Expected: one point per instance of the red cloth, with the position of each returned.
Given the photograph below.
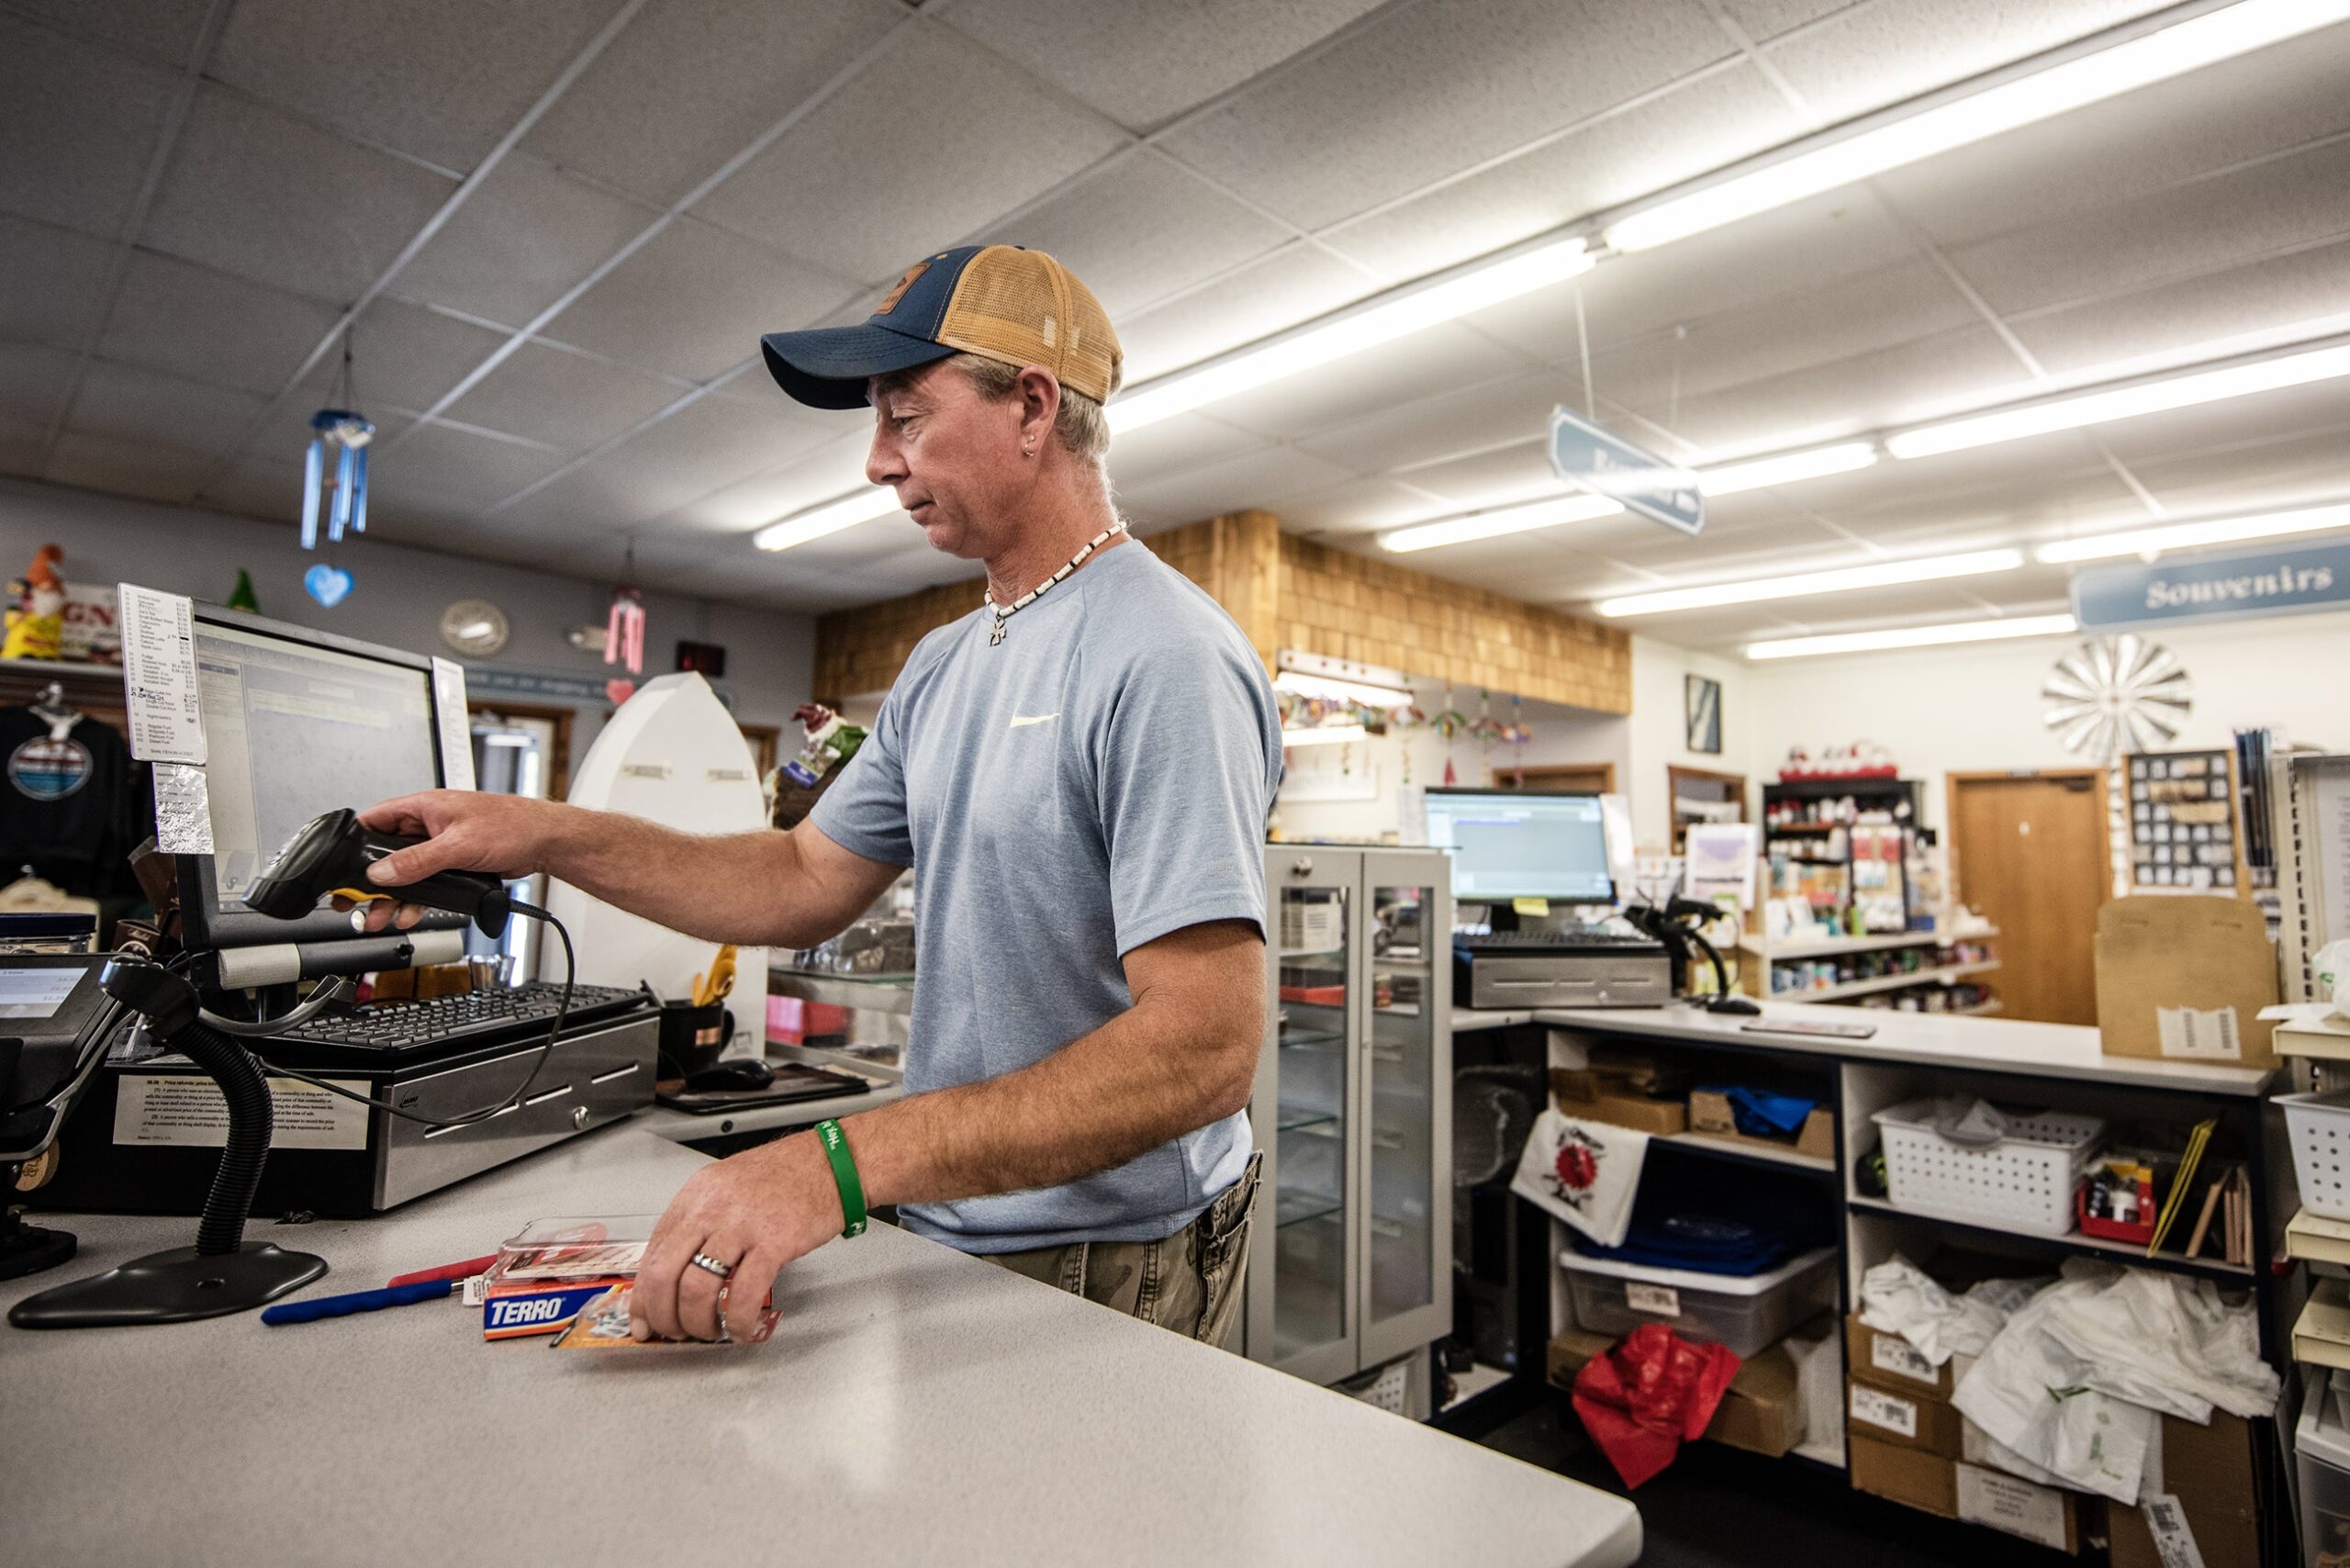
(1654, 1390)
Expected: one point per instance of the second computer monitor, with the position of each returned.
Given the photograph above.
(1509, 844)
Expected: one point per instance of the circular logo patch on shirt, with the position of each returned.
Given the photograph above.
(44, 770)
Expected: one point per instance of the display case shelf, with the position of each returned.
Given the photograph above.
(1887, 982)
(1303, 1208)
(1702, 1143)
(1829, 946)
(1311, 1039)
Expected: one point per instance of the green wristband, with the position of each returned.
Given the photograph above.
(835, 1144)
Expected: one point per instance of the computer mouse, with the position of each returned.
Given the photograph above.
(1741, 1006)
(732, 1077)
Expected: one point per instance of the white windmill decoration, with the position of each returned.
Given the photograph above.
(2112, 696)
(2115, 694)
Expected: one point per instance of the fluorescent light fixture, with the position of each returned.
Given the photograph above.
(2189, 535)
(1729, 479)
(1575, 508)
(1336, 690)
(2152, 396)
(1326, 735)
(1966, 114)
(1884, 574)
(847, 512)
(1915, 637)
(1397, 315)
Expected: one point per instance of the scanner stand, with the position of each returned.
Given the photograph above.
(29, 1249)
(223, 1272)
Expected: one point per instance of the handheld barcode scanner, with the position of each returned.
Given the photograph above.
(332, 855)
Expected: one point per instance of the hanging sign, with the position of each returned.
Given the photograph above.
(1606, 463)
(2243, 585)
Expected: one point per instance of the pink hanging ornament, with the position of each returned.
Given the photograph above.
(624, 631)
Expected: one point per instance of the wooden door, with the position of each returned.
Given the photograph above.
(2030, 852)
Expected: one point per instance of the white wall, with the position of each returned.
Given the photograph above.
(400, 593)
(1641, 746)
(1977, 708)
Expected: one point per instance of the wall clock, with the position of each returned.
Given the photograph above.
(474, 627)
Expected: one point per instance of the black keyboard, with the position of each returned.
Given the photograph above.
(1503, 942)
(474, 1018)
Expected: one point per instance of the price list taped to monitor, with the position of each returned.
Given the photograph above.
(159, 677)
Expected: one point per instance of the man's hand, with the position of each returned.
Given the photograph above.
(756, 1211)
(464, 832)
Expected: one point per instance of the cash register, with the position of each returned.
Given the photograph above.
(299, 722)
(1511, 846)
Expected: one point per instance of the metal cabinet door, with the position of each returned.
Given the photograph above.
(1403, 1113)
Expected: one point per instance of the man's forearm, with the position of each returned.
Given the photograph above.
(1144, 1078)
(742, 888)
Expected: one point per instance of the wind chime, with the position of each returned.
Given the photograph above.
(344, 433)
(1448, 724)
(624, 635)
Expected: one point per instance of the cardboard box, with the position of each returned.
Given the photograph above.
(2209, 1471)
(1585, 1095)
(1912, 1478)
(2184, 978)
(1709, 1113)
(1762, 1413)
(1890, 1362)
(1906, 1420)
(2044, 1514)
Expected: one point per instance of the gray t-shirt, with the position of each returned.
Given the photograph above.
(1100, 779)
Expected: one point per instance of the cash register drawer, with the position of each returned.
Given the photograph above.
(1580, 980)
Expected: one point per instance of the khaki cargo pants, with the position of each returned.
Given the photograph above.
(1189, 1283)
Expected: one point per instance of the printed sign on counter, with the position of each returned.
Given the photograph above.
(154, 1108)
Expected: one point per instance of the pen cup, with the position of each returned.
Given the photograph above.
(692, 1037)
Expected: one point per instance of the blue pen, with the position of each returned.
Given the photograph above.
(357, 1301)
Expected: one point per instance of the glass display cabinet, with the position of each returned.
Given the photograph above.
(1350, 1254)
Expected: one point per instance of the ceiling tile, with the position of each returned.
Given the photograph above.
(1714, 120)
(1870, 56)
(1497, 476)
(1352, 506)
(189, 321)
(2224, 219)
(2208, 119)
(55, 288)
(526, 235)
(2306, 286)
(1448, 423)
(694, 301)
(1427, 89)
(164, 31)
(403, 356)
(2299, 469)
(1290, 285)
(812, 193)
(567, 400)
(1143, 228)
(258, 488)
(33, 383)
(1810, 245)
(819, 475)
(1142, 63)
(78, 126)
(1765, 19)
(20, 448)
(665, 104)
(703, 447)
(1917, 380)
(2321, 408)
(1409, 368)
(253, 192)
(442, 80)
(148, 470)
(444, 468)
(1173, 445)
(124, 403)
(1252, 479)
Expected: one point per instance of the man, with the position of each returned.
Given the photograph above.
(1078, 772)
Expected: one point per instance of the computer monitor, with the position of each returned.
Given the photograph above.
(1510, 844)
(295, 722)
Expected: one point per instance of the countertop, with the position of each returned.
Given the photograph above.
(916, 1405)
(1924, 1039)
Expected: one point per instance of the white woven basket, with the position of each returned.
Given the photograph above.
(2024, 1181)
(2319, 1126)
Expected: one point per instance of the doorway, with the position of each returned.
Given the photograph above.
(2030, 851)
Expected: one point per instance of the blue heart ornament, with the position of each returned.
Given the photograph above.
(328, 585)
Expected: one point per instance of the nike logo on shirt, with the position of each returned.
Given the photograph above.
(1019, 719)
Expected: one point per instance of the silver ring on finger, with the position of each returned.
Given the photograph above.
(708, 1265)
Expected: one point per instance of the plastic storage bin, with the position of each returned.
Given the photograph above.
(1744, 1315)
(2319, 1126)
(2322, 1454)
(2023, 1182)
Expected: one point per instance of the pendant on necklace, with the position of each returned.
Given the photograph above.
(996, 635)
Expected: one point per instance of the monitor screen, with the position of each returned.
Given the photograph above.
(1509, 843)
(294, 728)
